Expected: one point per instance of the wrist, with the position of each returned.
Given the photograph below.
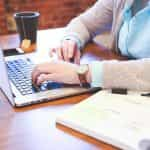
(83, 75)
(88, 75)
(74, 39)
(96, 71)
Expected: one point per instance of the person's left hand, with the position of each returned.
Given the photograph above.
(59, 71)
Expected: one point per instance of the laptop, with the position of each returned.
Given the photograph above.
(16, 83)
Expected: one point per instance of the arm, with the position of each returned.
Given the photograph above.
(81, 29)
(134, 75)
(94, 21)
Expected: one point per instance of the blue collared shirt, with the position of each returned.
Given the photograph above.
(134, 40)
(134, 35)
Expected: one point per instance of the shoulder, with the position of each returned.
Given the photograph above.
(113, 3)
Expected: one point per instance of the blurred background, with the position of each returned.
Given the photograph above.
(53, 13)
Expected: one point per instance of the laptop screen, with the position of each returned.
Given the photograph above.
(4, 82)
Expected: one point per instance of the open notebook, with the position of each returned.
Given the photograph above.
(119, 120)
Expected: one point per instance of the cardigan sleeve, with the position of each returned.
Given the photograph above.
(132, 74)
(93, 21)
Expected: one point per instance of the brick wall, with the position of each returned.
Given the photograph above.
(3, 29)
(54, 13)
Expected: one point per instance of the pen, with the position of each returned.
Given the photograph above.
(146, 94)
(119, 91)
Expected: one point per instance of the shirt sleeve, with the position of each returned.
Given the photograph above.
(96, 73)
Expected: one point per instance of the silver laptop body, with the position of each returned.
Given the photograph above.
(17, 99)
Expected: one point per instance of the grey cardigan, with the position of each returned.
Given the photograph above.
(107, 15)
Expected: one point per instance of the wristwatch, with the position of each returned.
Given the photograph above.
(82, 72)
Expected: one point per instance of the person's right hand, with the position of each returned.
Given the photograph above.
(67, 51)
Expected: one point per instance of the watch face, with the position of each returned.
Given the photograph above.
(82, 69)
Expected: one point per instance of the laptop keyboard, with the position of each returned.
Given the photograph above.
(19, 72)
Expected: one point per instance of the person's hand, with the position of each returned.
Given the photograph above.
(67, 51)
(60, 71)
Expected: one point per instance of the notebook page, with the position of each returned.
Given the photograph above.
(120, 120)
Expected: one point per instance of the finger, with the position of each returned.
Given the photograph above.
(40, 79)
(35, 73)
(65, 50)
(52, 50)
(77, 57)
(59, 53)
(71, 49)
(39, 69)
(46, 77)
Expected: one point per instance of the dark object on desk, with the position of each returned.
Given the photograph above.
(146, 94)
(11, 52)
(119, 91)
(27, 24)
(50, 85)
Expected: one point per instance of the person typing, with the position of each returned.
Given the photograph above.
(128, 21)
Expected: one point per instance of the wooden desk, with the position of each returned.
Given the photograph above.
(34, 127)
